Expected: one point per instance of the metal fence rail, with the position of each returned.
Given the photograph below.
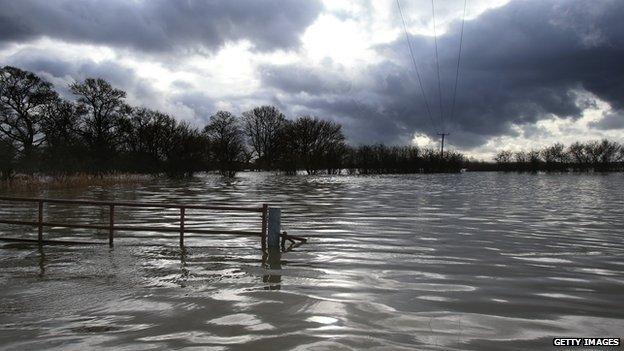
(111, 227)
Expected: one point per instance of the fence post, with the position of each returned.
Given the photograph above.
(265, 209)
(111, 224)
(182, 210)
(274, 227)
(40, 223)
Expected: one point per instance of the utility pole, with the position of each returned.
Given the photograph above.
(442, 144)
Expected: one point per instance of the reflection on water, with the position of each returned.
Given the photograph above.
(462, 261)
(272, 263)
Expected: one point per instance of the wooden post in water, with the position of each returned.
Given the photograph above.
(274, 227)
(182, 226)
(40, 223)
(111, 224)
(265, 209)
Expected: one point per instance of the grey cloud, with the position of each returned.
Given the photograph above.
(521, 63)
(202, 105)
(611, 120)
(299, 79)
(62, 72)
(160, 25)
(181, 84)
(363, 121)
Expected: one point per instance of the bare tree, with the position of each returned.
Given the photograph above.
(620, 155)
(601, 155)
(608, 151)
(263, 125)
(503, 159)
(318, 144)
(226, 142)
(186, 152)
(578, 154)
(521, 157)
(593, 152)
(535, 160)
(146, 134)
(63, 149)
(105, 108)
(23, 97)
(7, 158)
(555, 157)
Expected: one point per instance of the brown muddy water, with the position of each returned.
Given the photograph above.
(474, 261)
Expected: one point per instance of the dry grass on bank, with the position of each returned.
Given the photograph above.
(28, 182)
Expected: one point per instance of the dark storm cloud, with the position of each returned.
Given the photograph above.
(521, 63)
(159, 25)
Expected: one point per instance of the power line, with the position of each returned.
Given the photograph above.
(461, 40)
(442, 143)
(409, 44)
(435, 40)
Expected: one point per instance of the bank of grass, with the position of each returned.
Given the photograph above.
(33, 182)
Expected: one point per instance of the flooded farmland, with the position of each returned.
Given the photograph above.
(473, 261)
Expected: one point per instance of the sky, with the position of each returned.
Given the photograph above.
(532, 72)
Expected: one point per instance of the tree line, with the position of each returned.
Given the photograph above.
(99, 133)
(599, 156)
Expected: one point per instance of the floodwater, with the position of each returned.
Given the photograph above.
(474, 261)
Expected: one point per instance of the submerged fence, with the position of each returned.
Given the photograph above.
(270, 219)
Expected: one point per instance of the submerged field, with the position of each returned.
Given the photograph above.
(473, 261)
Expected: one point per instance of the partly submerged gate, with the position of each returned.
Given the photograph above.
(269, 217)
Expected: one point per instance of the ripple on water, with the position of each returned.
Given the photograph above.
(463, 261)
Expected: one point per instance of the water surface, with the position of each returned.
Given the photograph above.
(475, 261)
